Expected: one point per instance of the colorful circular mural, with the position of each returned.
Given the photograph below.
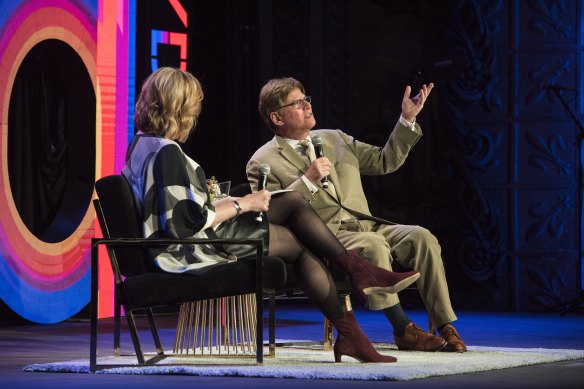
(43, 282)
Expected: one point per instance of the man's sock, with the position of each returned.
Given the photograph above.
(398, 319)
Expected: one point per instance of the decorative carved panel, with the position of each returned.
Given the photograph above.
(547, 22)
(535, 73)
(547, 156)
(484, 149)
(546, 219)
(548, 280)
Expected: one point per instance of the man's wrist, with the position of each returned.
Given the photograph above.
(309, 184)
(411, 124)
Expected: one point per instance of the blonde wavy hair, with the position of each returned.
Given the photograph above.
(169, 103)
(274, 94)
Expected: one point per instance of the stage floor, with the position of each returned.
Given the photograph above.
(23, 344)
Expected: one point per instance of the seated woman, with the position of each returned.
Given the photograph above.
(171, 190)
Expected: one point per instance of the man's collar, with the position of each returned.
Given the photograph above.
(294, 141)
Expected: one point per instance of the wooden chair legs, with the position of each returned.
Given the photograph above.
(222, 326)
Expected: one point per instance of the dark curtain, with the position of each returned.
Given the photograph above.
(37, 140)
(51, 134)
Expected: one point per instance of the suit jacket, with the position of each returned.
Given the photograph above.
(350, 159)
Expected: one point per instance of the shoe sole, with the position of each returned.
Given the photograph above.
(394, 288)
(403, 348)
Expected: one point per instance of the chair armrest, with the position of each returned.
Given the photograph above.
(258, 243)
(165, 241)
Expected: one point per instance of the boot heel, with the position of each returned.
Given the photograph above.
(352, 342)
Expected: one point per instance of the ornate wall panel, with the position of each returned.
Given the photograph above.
(545, 219)
(550, 22)
(547, 280)
(478, 38)
(545, 252)
(536, 71)
(546, 156)
(485, 151)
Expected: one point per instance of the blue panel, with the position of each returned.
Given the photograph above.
(41, 306)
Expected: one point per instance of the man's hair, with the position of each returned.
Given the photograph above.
(274, 94)
(169, 104)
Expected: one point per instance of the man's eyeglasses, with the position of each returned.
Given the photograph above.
(297, 103)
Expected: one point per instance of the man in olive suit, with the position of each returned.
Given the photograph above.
(331, 183)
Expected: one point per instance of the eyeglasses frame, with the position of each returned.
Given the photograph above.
(306, 99)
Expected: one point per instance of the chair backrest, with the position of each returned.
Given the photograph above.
(118, 218)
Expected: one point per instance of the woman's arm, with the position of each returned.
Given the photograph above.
(227, 208)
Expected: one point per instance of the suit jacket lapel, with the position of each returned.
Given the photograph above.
(290, 154)
(334, 178)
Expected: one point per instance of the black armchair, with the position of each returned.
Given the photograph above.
(139, 285)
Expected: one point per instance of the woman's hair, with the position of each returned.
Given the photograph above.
(274, 94)
(169, 104)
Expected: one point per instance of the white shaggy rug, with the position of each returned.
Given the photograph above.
(314, 363)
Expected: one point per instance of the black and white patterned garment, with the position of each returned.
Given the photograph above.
(171, 192)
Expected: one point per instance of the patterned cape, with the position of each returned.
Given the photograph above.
(171, 193)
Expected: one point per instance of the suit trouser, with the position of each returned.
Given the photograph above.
(413, 247)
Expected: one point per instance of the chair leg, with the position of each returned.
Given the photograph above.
(154, 331)
(259, 320)
(117, 324)
(272, 323)
(327, 343)
(134, 334)
(93, 310)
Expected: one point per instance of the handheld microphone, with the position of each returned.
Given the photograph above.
(262, 182)
(317, 142)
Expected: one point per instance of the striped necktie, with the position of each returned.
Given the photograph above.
(307, 149)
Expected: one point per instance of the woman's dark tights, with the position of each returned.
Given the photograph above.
(298, 236)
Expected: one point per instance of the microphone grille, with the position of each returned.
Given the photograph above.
(317, 140)
(264, 169)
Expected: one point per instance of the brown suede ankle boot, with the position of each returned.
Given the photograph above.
(367, 278)
(352, 342)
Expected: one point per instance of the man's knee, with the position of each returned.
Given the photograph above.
(375, 249)
(419, 250)
(423, 235)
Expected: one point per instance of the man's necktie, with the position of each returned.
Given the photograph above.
(307, 149)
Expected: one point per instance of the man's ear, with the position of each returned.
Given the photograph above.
(276, 118)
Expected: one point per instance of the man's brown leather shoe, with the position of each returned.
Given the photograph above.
(453, 341)
(415, 338)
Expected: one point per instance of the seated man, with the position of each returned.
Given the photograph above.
(331, 183)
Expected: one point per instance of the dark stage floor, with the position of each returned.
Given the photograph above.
(21, 345)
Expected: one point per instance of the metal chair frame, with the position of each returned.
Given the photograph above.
(121, 299)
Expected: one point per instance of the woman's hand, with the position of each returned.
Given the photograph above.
(255, 202)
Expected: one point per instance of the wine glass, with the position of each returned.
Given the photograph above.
(224, 188)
